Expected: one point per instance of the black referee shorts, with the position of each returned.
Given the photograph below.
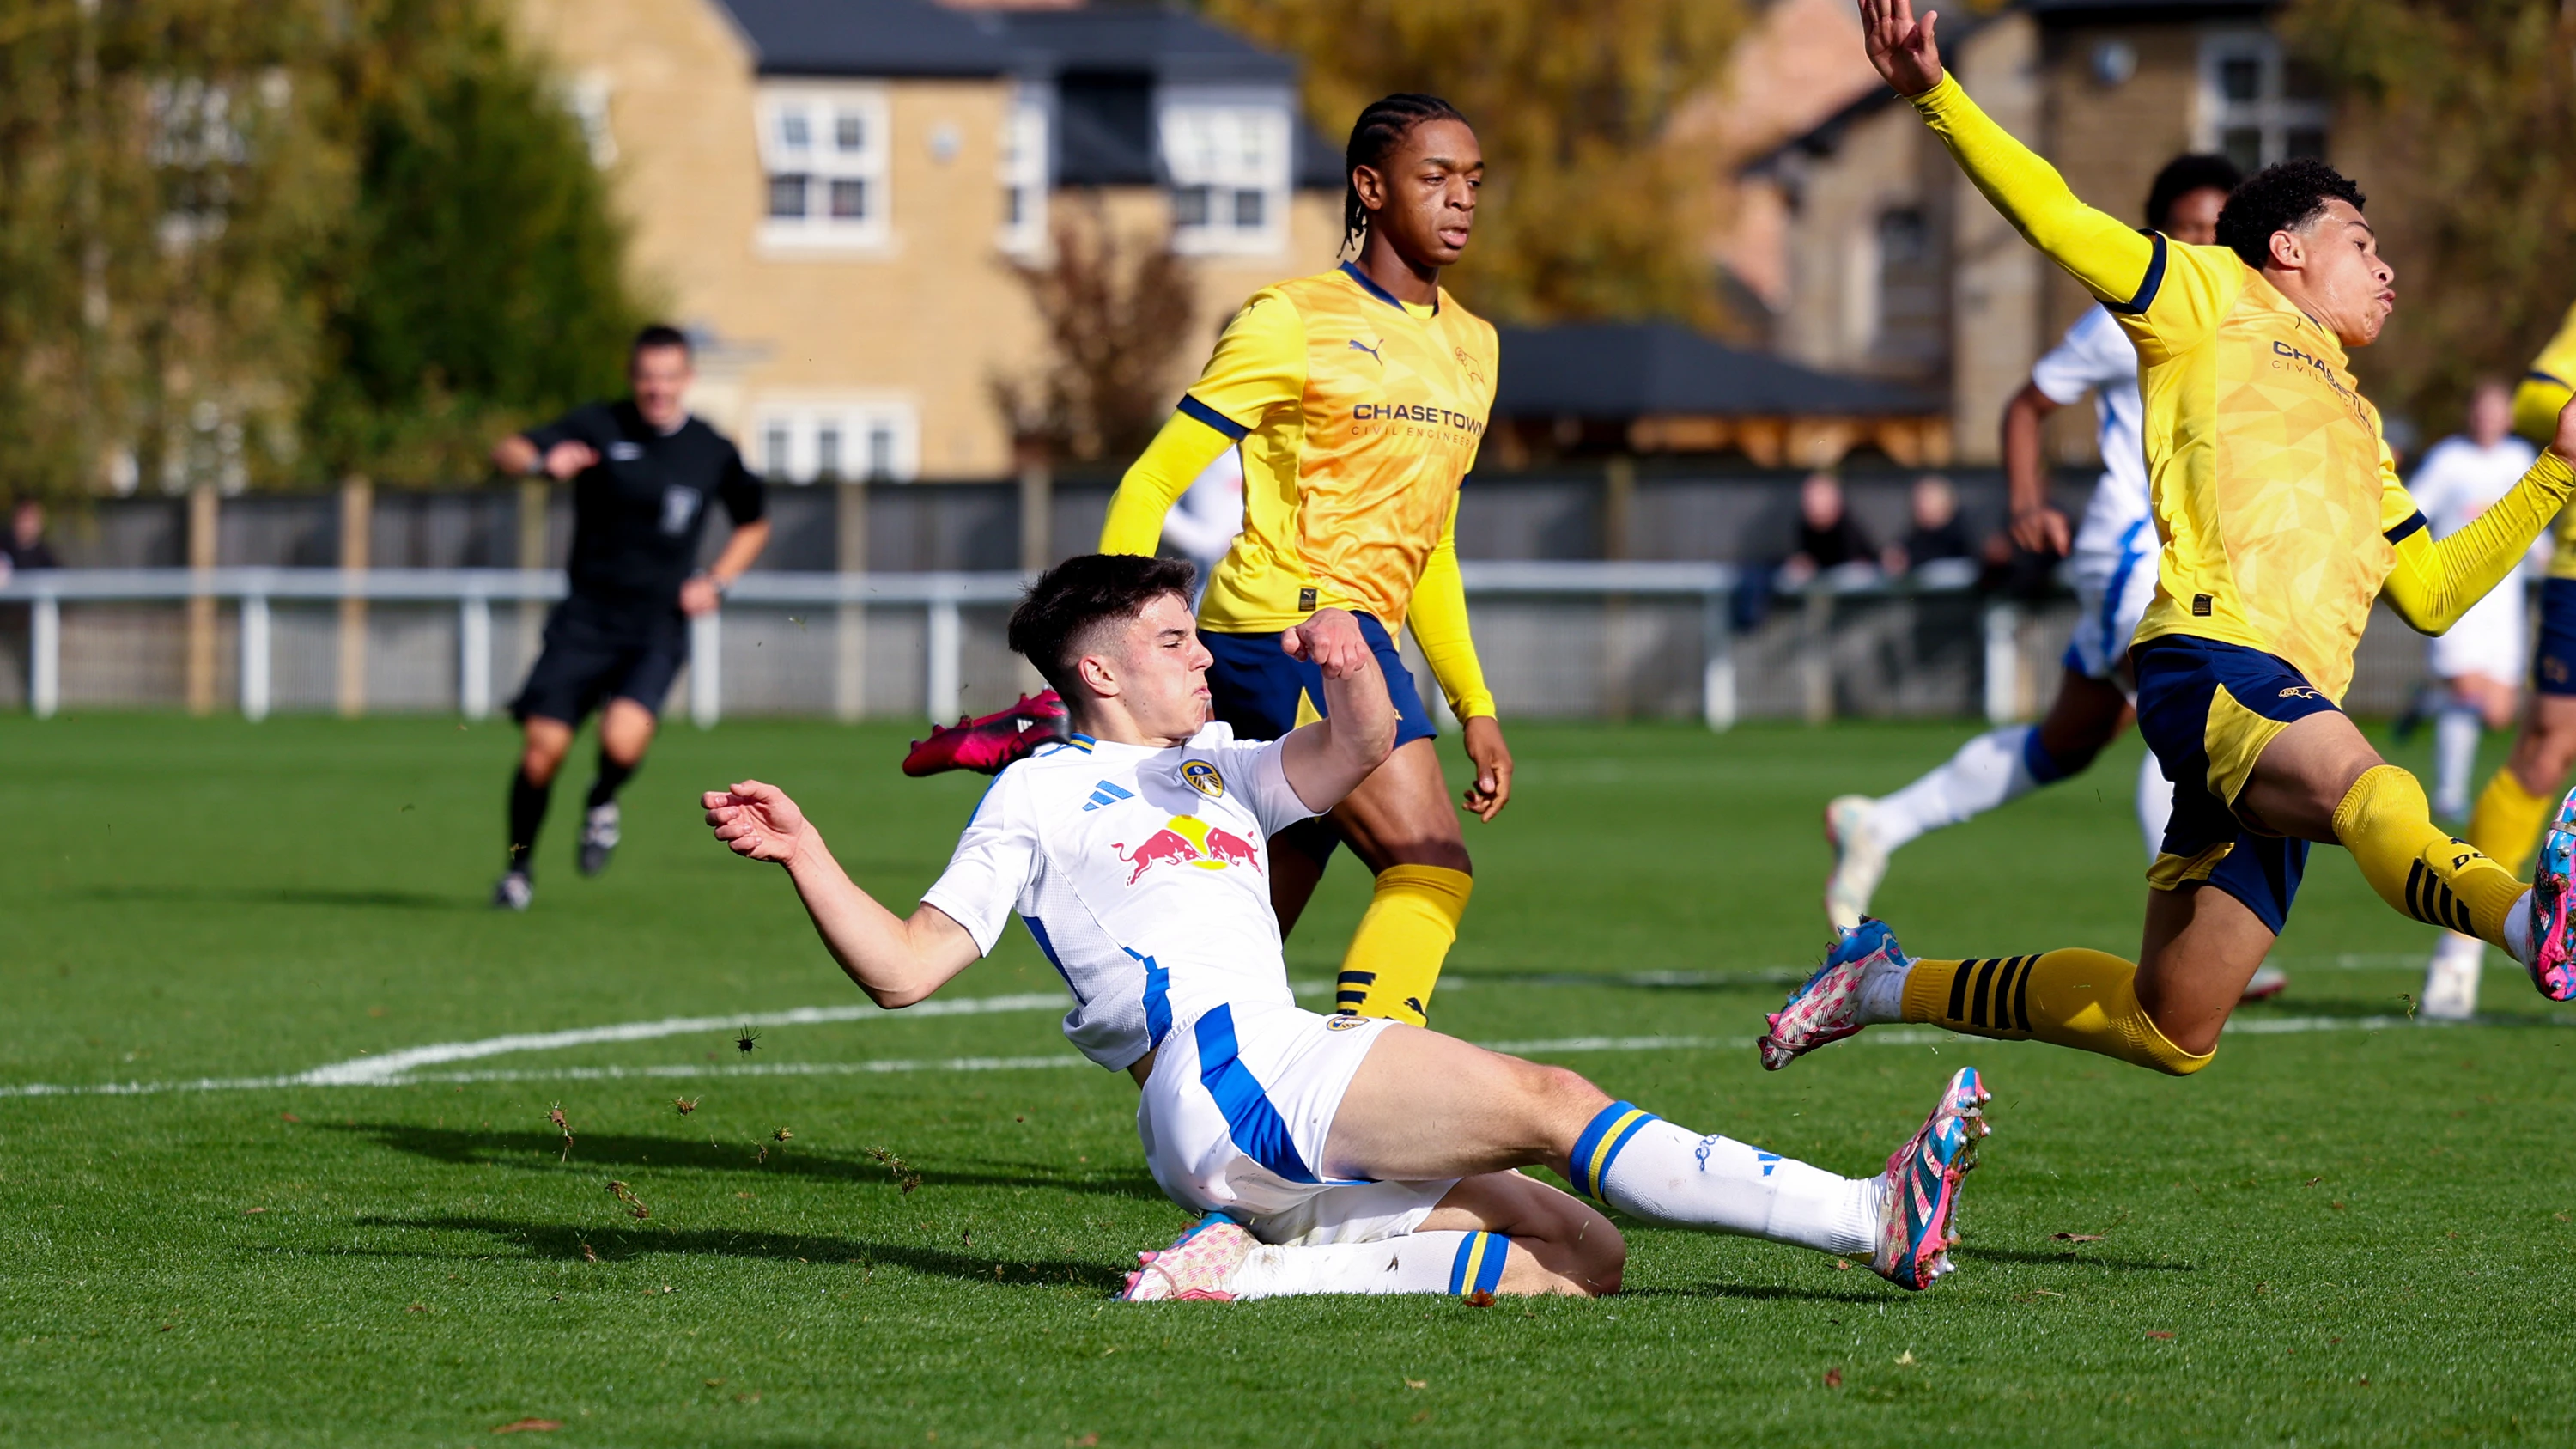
(595, 652)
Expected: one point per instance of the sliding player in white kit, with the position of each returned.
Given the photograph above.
(2112, 560)
(1326, 1154)
(2483, 658)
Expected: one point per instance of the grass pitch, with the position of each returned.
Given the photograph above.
(2340, 1232)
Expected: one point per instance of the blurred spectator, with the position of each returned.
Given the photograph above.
(1937, 534)
(1829, 538)
(1204, 523)
(26, 547)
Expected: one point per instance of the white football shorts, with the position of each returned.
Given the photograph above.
(1234, 1119)
(2492, 638)
(2113, 587)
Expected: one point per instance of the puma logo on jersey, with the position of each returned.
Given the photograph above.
(1359, 346)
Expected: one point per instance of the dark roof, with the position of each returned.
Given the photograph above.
(1170, 45)
(1640, 369)
(870, 38)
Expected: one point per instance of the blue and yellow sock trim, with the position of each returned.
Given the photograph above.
(1600, 1143)
(1478, 1267)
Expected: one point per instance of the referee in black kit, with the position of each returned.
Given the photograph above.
(643, 473)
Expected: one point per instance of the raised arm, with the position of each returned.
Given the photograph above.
(2434, 583)
(1326, 760)
(2109, 258)
(895, 960)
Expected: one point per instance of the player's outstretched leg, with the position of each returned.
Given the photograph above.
(2074, 997)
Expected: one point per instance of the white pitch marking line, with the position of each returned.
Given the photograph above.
(1560, 1046)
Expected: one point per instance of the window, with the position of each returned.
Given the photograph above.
(824, 148)
(2257, 105)
(829, 440)
(587, 99)
(1910, 285)
(1229, 172)
(1024, 181)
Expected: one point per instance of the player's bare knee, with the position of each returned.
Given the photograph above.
(1446, 854)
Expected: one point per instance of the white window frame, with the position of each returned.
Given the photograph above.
(2272, 115)
(1026, 147)
(1229, 151)
(823, 161)
(877, 437)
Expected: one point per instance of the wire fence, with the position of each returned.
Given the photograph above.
(1567, 640)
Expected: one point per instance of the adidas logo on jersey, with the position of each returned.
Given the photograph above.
(1105, 793)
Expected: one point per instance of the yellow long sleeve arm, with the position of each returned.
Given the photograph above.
(2434, 583)
(1438, 619)
(2113, 261)
(1157, 479)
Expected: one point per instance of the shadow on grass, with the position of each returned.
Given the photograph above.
(574, 1244)
(182, 895)
(596, 1152)
(1763, 1292)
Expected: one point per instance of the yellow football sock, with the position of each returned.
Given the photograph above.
(2076, 998)
(2505, 824)
(2386, 824)
(1395, 955)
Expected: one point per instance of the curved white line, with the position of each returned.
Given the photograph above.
(367, 1071)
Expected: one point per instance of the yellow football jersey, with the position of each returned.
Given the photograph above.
(1358, 416)
(2544, 390)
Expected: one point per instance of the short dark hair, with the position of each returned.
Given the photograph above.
(1059, 616)
(2184, 175)
(1374, 136)
(2284, 196)
(660, 334)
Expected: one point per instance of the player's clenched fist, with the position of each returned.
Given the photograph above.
(1330, 640)
(757, 821)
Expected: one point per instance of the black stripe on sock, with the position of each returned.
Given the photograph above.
(1981, 1000)
(2002, 1013)
(1959, 991)
(2414, 891)
(2021, 992)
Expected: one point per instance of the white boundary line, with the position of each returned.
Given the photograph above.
(636, 1031)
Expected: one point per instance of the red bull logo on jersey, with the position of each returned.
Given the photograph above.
(1188, 840)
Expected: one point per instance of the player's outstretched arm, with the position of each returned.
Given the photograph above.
(896, 961)
(1326, 760)
(2434, 583)
(2098, 250)
(1156, 480)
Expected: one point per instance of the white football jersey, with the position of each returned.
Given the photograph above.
(2458, 480)
(1143, 873)
(2097, 357)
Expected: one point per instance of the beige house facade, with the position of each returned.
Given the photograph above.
(834, 196)
(1892, 266)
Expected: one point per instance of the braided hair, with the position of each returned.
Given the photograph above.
(1374, 136)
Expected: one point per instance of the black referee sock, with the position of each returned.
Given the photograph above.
(527, 812)
(612, 778)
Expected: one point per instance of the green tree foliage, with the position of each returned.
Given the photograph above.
(477, 281)
(1590, 207)
(2459, 120)
(270, 241)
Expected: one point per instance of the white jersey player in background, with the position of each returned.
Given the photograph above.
(2481, 662)
(1323, 1154)
(1203, 524)
(2112, 560)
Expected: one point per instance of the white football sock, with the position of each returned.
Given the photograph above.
(2455, 758)
(2155, 804)
(1648, 1168)
(2517, 930)
(1413, 1263)
(1986, 772)
(1882, 994)
(2459, 951)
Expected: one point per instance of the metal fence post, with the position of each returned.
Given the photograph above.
(254, 656)
(2003, 663)
(474, 656)
(941, 688)
(706, 685)
(1717, 665)
(44, 656)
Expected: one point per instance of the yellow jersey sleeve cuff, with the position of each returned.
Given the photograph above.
(1944, 96)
